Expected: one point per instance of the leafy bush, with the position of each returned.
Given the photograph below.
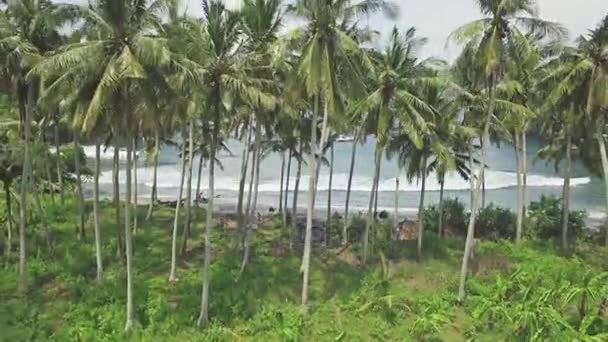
(454, 217)
(545, 220)
(495, 223)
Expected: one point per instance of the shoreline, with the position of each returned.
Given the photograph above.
(594, 223)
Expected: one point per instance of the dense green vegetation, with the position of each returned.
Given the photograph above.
(519, 292)
(141, 74)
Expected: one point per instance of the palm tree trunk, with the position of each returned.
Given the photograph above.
(421, 210)
(116, 198)
(353, 156)
(331, 178)
(524, 168)
(49, 175)
(314, 159)
(203, 318)
(251, 218)
(476, 190)
(254, 156)
(566, 194)
(243, 180)
(370, 214)
(127, 232)
(377, 186)
(285, 205)
(188, 203)
(472, 179)
(518, 162)
(483, 179)
(199, 178)
(135, 186)
(396, 218)
(81, 231)
(25, 113)
(441, 213)
(282, 180)
(9, 218)
(172, 273)
(255, 178)
(43, 217)
(99, 277)
(58, 163)
(154, 192)
(296, 191)
(604, 157)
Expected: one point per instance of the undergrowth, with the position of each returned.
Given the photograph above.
(535, 295)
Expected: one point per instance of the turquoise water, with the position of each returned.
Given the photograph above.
(587, 191)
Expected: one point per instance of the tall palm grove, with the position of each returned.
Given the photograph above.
(139, 79)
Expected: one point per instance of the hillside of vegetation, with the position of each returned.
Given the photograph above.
(528, 292)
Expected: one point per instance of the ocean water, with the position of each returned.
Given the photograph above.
(586, 192)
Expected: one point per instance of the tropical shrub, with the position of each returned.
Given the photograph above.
(545, 220)
(495, 223)
(454, 217)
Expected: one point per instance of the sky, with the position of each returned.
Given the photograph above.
(435, 19)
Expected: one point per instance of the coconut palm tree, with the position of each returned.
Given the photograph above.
(581, 74)
(492, 38)
(325, 45)
(115, 59)
(29, 29)
(393, 101)
(217, 58)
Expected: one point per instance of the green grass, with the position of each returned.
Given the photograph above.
(402, 301)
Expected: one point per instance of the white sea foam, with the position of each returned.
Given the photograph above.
(169, 177)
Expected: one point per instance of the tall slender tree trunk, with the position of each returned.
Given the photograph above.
(421, 210)
(59, 161)
(396, 218)
(43, 217)
(377, 186)
(172, 272)
(282, 182)
(49, 175)
(520, 193)
(255, 178)
(116, 198)
(25, 113)
(604, 157)
(483, 178)
(127, 232)
(566, 193)
(472, 178)
(199, 178)
(81, 230)
(99, 274)
(441, 213)
(243, 180)
(353, 156)
(314, 159)
(524, 168)
(203, 318)
(135, 185)
(476, 190)
(331, 179)
(254, 156)
(188, 203)
(9, 218)
(372, 196)
(154, 192)
(285, 204)
(296, 191)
